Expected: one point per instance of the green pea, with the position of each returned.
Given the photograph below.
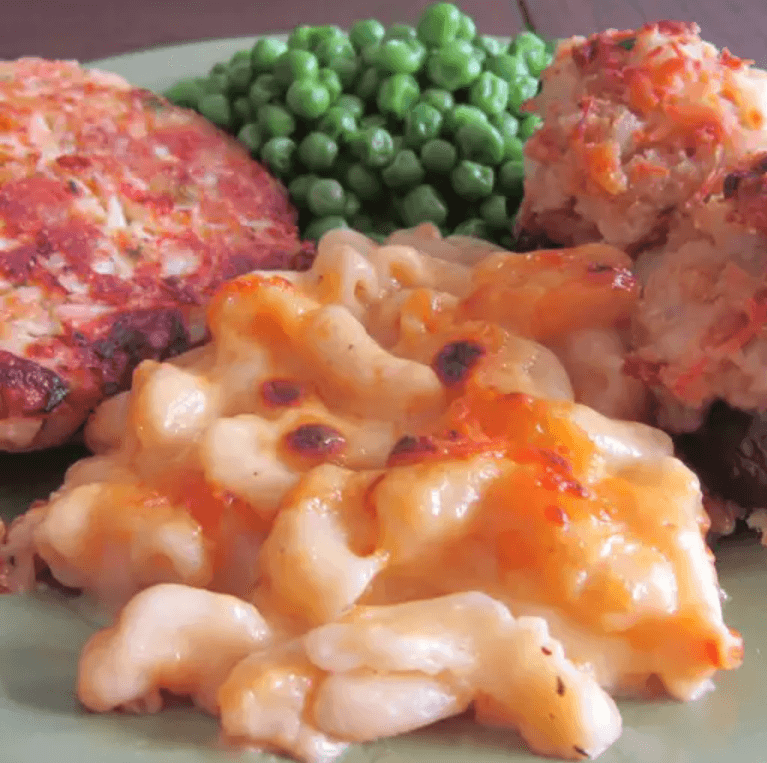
(442, 100)
(295, 64)
(509, 67)
(401, 56)
(404, 172)
(401, 32)
(363, 181)
(472, 181)
(326, 197)
(276, 121)
(397, 94)
(277, 154)
(331, 82)
(467, 29)
(369, 56)
(525, 42)
(206, 85)
(317, 151)
(438, 156)
(346, 69)
(491, 45)
(361, 222)
(299, 188)
(520, 91)
(474, 227)
(338, 123)
(374, 146)
(352, 104)
(308, 99)
(264, 89)
(480, 142)
(511, 177)
(240, 55)
(352, 205)
(367, 32)
(513, 149)
(464, 47)
(489, 93)
(217, 81)
(439, 24)
(452, 68)
(265, 54)
(423, 204)
(328, 32)
(186, 92)
(533, 50)
(333, 48)
(368, 83)
(493, 211)
(529, 125)
(505, 123)
(240, 74)
(479, 54)
(508, 127)
(319, 227)
(241, 110)
(462, 115)
(302, 37)
(251, 137)
(537, 61)
(215, 107)
(422, 123)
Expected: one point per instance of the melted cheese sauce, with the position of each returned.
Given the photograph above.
(371, 439)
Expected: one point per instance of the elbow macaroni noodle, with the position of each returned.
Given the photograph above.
(368, 469)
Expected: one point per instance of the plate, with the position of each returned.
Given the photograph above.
(41, 635)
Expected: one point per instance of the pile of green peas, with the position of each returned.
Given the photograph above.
(379, 129)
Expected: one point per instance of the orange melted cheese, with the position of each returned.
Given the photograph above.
(384, 430)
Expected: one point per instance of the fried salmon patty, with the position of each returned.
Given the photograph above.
(120, 214)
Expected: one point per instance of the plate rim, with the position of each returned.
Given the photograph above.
(182, 46)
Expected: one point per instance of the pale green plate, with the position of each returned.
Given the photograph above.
(40, 636)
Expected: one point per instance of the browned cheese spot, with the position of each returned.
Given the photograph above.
(410, 446)
(454, 361)
(281, 392)
(316, 440)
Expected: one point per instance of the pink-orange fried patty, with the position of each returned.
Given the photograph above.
(120, 214)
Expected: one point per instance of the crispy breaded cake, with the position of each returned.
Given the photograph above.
(120, 214)
(636, 123)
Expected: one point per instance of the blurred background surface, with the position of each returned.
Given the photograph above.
(84, 29)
